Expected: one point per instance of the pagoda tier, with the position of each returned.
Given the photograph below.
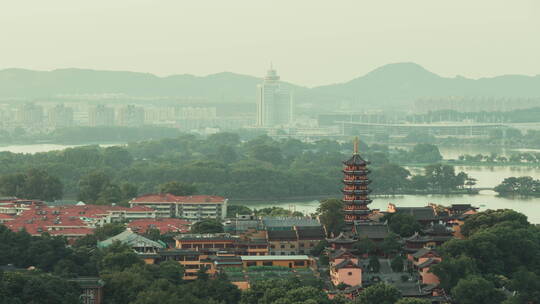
(355, 190)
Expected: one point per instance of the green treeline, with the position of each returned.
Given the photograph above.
(522, 186)
(501, 249)
(220, 164)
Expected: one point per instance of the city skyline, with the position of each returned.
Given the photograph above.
(480, 39)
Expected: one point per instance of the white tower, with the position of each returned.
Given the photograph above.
(274, 103)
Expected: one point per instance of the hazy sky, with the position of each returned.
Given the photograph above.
(311, 42)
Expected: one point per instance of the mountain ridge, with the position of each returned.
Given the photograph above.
(391, 85)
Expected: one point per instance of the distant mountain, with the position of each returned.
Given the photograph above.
(399, 84)
(390, 86)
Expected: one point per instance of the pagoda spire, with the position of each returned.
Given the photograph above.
(356, 142)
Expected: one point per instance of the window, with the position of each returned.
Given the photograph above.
(292, 246)
(282, 246)
(350, 273)
(301, 245)
(299, 263)
(249, 264)
(269, 263)
(272, 246)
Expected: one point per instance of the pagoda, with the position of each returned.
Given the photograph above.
(355, 190)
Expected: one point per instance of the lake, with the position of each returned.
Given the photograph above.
(37, 148)
(486, 176)
(486, 199)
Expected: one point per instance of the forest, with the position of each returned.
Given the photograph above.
(220, 164)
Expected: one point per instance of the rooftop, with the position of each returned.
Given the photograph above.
(169, 198)
(273, 257)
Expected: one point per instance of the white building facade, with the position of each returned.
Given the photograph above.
(274, 103)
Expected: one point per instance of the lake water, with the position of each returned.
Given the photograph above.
(37, 148)
(486, 176)
(486, 199)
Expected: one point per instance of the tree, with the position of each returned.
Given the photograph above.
(379, 294)
(390, 244)
(92, 184)
(233, 210)
(404, 224)
(374, 263)
(491, 218)
(36, 287)
(177, 188)
(118, 257)
(364, 246)
(451, 270)
(34, 184)
(476, 290)
(397, 263)
(331, 215)
(319, 248)
(425, 153)
(207, 226)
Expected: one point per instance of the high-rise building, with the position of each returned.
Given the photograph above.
(130, 116)
(100, 116)
(60, 116)
(29, 116)
(274, 103)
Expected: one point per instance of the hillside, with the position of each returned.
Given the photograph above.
(390, 86)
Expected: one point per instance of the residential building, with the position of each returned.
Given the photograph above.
(221, 242)
(29, 116)
(100, 115)
(193, 207)
(283, 242)
(130, 116)
(60, 116)
(308, 238)
(274, 103)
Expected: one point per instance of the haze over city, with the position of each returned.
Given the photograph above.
(311, 42)
(270, 152)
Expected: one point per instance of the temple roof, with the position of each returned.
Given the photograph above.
(347, 263)
(371, 230)
(341, 238)
(356, 159)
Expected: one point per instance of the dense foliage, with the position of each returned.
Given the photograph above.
(500, 249)
(524, 185)
(220, 164)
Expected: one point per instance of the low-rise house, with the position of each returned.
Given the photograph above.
(345, 268)
(290, 261)
(308, 237)
(272, 223)
(283, 242)
(422, 261)
(221, 242)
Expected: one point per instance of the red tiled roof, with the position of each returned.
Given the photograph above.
(169, 198)
(164, 225)
(5, 216)
(63, 220)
